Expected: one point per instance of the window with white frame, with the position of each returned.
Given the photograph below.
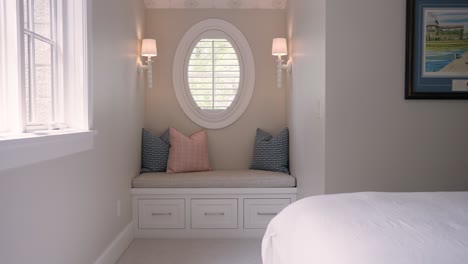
(3, 99)
(43, 65)
(214, 73)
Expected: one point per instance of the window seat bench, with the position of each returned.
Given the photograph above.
(214, 204)
(215, 179)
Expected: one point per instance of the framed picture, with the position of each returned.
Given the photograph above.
(437, 49)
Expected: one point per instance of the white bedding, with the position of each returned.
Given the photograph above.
(371, 228)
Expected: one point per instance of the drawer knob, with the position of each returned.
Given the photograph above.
(161, 214)
(214, 214)
(267, 214)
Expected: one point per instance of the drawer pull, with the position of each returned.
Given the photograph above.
(267, 214)
(214, 214)
(161, 214)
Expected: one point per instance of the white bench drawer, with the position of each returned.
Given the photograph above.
(161, 213)
(259, 212)
(214, 213)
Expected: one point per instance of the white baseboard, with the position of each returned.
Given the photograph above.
(117, 247)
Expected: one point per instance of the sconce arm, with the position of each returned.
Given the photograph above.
(287, 66)
(143, 67)
(148, 67)
(281, 67)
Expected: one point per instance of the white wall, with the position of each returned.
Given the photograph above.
(306, 30)
(64, 211)
(377, 141)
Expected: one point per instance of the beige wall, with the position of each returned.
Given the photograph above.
(231, 147)
(306, 91)
(376, 140)
(64, 211)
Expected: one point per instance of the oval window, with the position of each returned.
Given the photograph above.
(214, 74)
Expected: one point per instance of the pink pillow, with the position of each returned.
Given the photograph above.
(188, 154)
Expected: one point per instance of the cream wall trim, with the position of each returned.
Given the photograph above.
(117, 247)
(218, 4)
(306, 106)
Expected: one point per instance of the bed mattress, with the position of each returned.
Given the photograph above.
(371, 228)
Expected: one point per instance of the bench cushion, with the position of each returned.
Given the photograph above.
(215, 179)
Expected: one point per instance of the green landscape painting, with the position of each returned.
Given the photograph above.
(446, 42)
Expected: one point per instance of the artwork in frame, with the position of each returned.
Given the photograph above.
(437, 49)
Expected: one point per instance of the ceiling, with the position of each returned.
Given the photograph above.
(217, 4)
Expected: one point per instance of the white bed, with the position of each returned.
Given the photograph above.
(371, 228)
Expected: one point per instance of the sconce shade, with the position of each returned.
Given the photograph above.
(149, 48)
(280, 47)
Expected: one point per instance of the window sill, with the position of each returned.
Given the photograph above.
(30, 148)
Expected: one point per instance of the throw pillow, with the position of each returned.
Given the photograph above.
(188, 154)
(155, 152)
(271, 153)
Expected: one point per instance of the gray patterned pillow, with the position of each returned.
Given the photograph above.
(271, 154)
(155, 152)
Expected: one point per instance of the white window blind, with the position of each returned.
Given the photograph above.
(214, 74)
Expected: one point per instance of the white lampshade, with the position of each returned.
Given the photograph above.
(280, 47)
(149, 48)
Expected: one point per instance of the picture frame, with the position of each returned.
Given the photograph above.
(437, 49)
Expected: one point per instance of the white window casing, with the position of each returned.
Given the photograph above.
(69, 130)
(3, 127)
(208, 115)
(78, 54)
(12, 69)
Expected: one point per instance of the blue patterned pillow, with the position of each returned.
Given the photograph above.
(271, 154)
(155, 152)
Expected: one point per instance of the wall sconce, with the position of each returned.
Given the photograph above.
(280, 48)
(149, 50)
